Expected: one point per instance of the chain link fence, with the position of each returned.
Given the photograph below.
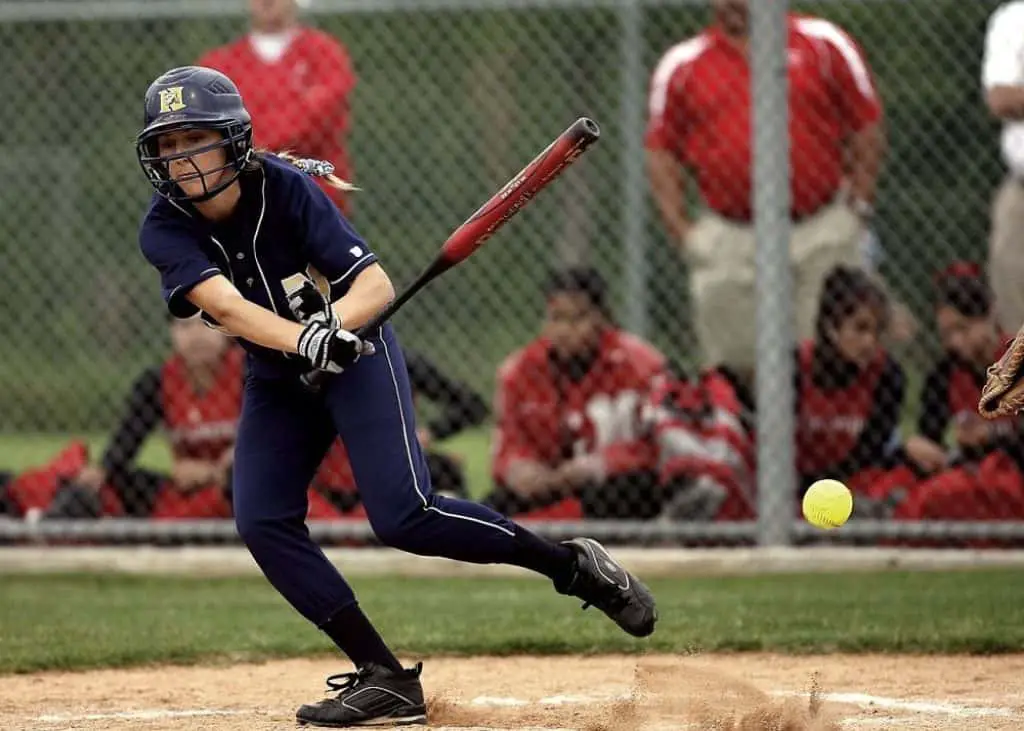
(449, 99)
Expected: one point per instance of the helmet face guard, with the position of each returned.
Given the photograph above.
(194, 97)
(236, 140)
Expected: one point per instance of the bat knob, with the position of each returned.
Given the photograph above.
(590, 126)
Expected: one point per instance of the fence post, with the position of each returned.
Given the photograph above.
(634, 179)
(776, 478)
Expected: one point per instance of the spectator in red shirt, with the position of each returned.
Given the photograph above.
(296, 82)
(705, 455)
(700, 121)
(196, 396)
(568, 408)
(981, 477)
(849, 390)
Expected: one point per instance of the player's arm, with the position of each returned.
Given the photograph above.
(219, 298)
(371, 291)
(517, 463)
(190, 282)
(1006, 102)
(861, 107)
(663, 142)
(867, 149)
(925, 448)
(668, 185)
(142, 412)
(340, 255)
(324, 345)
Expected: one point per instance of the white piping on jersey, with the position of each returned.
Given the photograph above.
(179, 208)
(259, 223)
(349, 270)
(681, 54)
(174, 291)
(224, 253)
(834, 36)
(408, 451)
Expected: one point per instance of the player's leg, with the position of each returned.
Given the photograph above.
(372, 409)
(283, 435)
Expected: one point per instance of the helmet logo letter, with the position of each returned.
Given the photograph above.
(171, 99)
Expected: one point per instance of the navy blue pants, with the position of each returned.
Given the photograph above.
(283, 435)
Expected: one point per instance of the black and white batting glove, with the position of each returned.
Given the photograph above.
(331, 349)
(308, 303)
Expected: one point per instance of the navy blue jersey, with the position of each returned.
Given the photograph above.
(284, 225)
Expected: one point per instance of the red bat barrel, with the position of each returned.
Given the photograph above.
(515, 195)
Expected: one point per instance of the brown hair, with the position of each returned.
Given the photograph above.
(962, 286)
(844, 290)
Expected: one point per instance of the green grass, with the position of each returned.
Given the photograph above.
(95, 621)
(19, 451)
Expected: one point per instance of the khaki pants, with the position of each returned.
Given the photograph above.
(1006, 255)
(723, 278)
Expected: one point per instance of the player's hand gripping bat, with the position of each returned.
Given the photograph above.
(515, 195)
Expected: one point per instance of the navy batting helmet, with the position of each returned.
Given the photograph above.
(193, 97)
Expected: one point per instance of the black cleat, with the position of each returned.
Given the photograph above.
(601, 581)
(371, 696)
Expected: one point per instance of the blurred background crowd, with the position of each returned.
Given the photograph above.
(601, 354)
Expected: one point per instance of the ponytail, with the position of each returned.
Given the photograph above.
(316, 168)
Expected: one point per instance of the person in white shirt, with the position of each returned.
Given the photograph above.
(1003, 82)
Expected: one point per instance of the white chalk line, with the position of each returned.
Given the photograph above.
(554, 700)
(861, 700)
(154, 714)
(929, 707)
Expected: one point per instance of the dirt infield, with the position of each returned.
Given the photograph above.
(744, 692)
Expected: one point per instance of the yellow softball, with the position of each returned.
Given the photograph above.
(827, 504)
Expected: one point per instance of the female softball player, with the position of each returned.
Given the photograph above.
(232, 231)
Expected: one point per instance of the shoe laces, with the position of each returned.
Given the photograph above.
(341, 682)
(600, 594)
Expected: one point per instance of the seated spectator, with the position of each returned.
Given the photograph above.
(196, 396)
(979, 478)
(705, 455)
(334, 492)
(569, 439)
(28, 493)
(849, 390)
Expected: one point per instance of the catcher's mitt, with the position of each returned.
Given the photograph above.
(1003, 394)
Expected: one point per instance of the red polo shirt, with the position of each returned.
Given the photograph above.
(700, 110)
(300, 102)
